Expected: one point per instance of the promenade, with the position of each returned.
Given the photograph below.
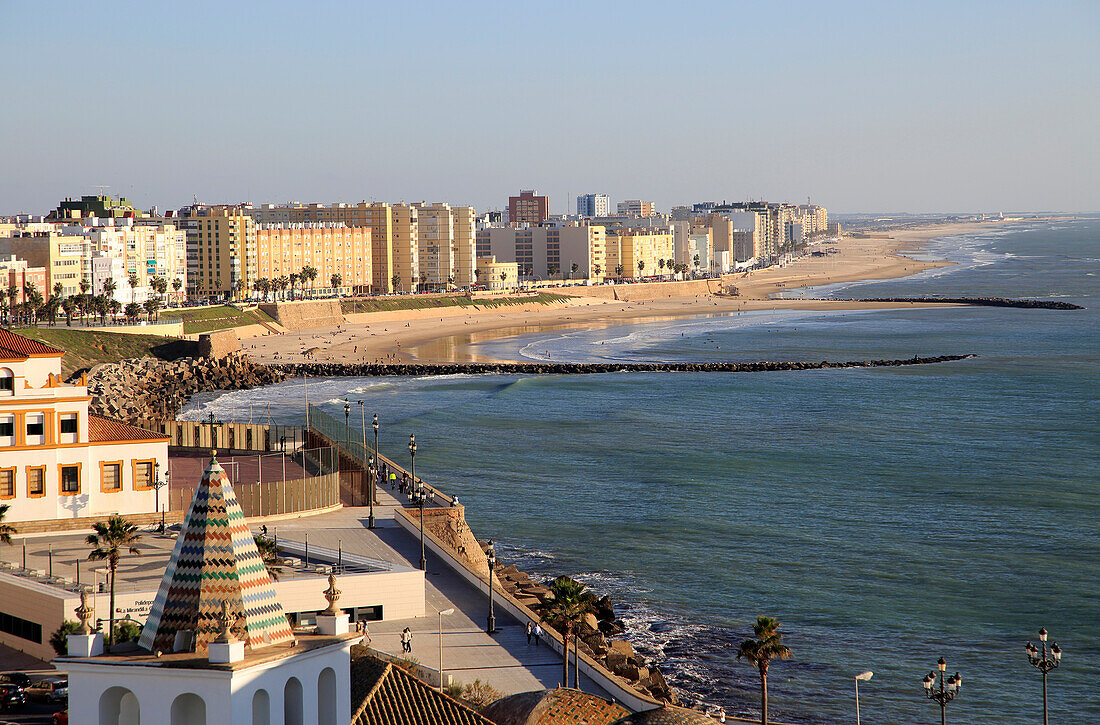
(504, 660)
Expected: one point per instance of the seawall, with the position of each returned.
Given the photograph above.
(321, 369)
(979, 302)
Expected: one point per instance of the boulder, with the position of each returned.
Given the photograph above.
(621, 647)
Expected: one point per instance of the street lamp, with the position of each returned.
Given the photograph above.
(949, 687)
(863, 676)
(347, 425)
(442, 614)
(1044, 663)
(370, 463)
(419, 488)
(157, 485)
(491, 557)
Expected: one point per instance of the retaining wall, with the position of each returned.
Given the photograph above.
(304, 314)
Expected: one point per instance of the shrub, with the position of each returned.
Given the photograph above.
(59, 641)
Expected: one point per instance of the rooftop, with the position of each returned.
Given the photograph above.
(16, 347)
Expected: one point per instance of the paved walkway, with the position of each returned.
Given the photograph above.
(504, 660)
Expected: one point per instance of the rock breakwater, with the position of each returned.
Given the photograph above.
(979, 302)
(147, 389)
(322, 369)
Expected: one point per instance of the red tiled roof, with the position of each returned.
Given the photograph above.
(382, 694)
(102, 430)
(17, 347)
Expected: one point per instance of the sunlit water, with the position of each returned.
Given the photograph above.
(886, 516)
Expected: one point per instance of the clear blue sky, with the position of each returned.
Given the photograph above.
(863, 106)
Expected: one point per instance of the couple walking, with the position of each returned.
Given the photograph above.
(406, 641)
(534, 631)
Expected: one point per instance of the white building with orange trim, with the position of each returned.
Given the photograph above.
(58, 461)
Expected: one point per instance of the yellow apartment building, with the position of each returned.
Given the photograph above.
(628, 247)
(330, 248)
(62, 255)
(220, 241)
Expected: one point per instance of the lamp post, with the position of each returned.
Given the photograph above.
(419, 488)
(949, 687)
(1044, 663)
(347, 425)
(374, 477)
(442, 614)
(370, 465)
(491, 558)
(157, 484)
(864, 676)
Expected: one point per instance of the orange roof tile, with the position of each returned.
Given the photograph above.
(102, 430)
(16, 347)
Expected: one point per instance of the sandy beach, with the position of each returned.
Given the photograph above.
(445, 335)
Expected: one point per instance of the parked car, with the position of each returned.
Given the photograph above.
(54, 689)
(16, 678)
(61, 718)
(11, 697)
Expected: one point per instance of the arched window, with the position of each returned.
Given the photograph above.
(261, 708)
(293, 710)
(326, 697)
(188, 709)
(119, 706)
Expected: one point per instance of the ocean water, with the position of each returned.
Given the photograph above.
(886, 516)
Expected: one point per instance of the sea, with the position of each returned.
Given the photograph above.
(887, 517)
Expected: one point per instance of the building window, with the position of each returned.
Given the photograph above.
(111, 476)
(36, 425)
(22, 628)
(143, 475)
(70, 480)
(7, 381)
(7, 426)
(68, 423)
(36, 481)
(7, 483)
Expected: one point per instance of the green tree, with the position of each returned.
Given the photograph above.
(152, 308)
(396, 282)
(618, 270)
(110, 540)
(293, 283)
(6, 530)
(132, 278)
(68, 306)
(34, 301)
(133, 311)
(641, 266)
(336, 280)
(573, 269)
(270, 555)
(127, 631)
(59, 640)
(309, 273)
(759, 653)
(564, 612)
(58, 289)
(177, 283)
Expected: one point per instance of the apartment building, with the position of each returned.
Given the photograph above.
(16, 274)
(589, 205)
(147, 250)
(495, 275)
(329, 247)
(549, 252)
(98, 206)
(62, 255)
(58, 461)
(636, 208)
(219, 241)
(447, 245)
(528, 208)
(637, 252)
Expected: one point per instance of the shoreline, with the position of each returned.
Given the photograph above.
(435, 336)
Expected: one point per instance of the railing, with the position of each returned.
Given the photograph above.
(346, 562)
(232, 436)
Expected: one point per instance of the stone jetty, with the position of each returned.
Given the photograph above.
(978, 302)
(328, 369)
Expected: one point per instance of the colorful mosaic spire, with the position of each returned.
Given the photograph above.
(215, 561)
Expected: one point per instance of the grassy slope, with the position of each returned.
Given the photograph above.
(84, 348)
(205, 319)
(387, 304)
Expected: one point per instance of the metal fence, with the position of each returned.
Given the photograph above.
(275, 497)
(232, 436)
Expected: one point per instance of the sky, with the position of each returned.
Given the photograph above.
(860, 106)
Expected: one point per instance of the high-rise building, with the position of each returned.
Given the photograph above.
(549, 252)
(636, 207)
(638, 252)
(447, 242)
(593, 205)
(331, 248)
(528, 208)
(62, 254)
(221, 241)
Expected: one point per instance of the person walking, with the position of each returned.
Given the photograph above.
(530, 630)
(537, 633)
(406, 640)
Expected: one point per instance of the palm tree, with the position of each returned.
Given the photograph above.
(309, 273)
(270, 555)
(109, 287)
(85, 285)
(661, 265)
(108, 544)
(132, 278)
(597, 269)
(396, 281)
(68, 306)
(5, 530)
(33, 302)
(293, 282)
(573, 269)
(618, 270)
(759, 653)
(177, 283)
(133, 311)
(58, 289)
(569, 605)
(152, 308)
(336, 279)
(641, 266)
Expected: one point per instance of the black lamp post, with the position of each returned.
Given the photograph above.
(419, 488)
(157, 485)
(347, 424)
(371, 461)
(491, 557)
(378, 462)
(949, 687)
(1043, 662)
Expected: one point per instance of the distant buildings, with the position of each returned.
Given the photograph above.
(101, 207)
(329, 248)
(496, 275)
(640, 252)
(636, 207)
(549, 252)
(590, 205)
(528, 208)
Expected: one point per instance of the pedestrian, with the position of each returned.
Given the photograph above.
(537, 633)
(406, 641)
(530, 630)
(393, 480)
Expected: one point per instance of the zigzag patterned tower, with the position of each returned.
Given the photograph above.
(215, 560)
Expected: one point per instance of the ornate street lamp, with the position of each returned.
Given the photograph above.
(347, 425)
(491, 558)
(948, 690)
(158, 484)
(373, 458)
(419, 489)
(1044, 663)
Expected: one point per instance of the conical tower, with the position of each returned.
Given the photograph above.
(215, 561)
